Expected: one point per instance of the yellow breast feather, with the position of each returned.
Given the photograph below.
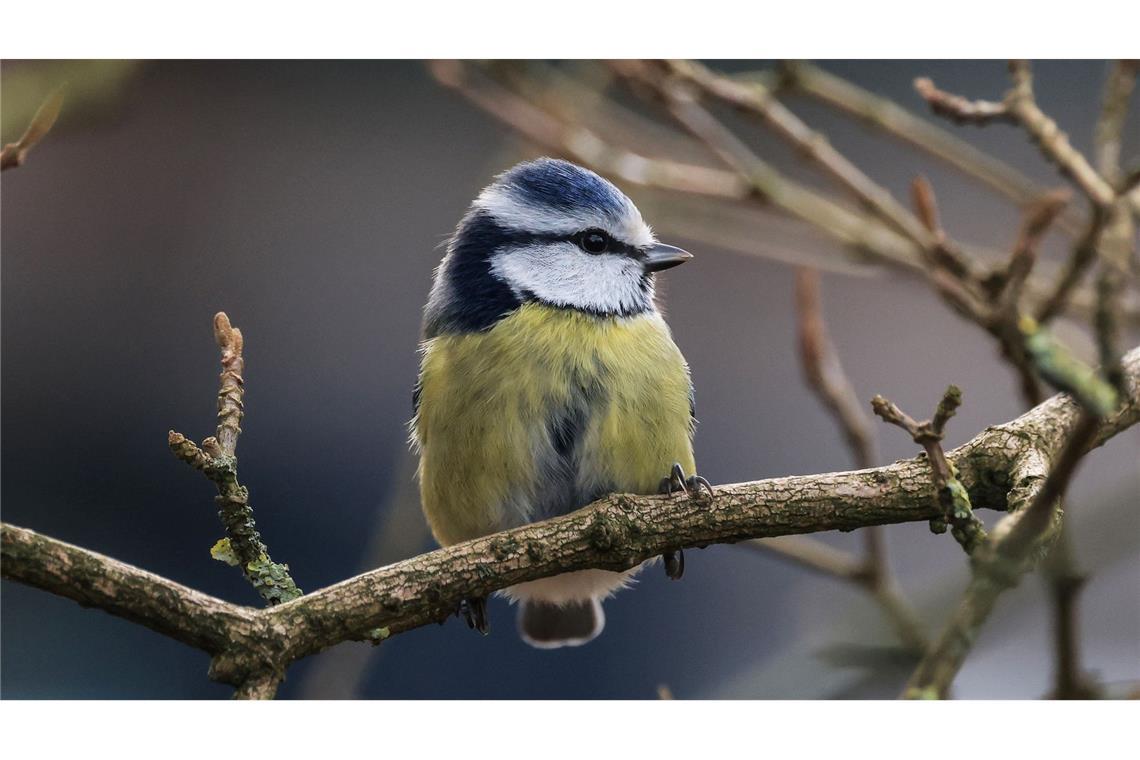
(547, 398)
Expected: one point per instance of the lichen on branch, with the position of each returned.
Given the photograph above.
(216, 459)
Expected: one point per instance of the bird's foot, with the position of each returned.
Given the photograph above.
(691, 486)
(474, 611)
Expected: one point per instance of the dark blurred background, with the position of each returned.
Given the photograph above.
(308, 200)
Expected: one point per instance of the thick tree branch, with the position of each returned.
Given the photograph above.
(615, 533)
(94, 580)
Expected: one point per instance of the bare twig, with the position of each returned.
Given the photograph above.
(1065, 583)
(1110, 125)
(824, 373)
(584, 145)
(950, 274)
(1130, 185)
(959, 109)
(14, 154)
(957, 511)
(1038, 217)
(1116, 249)
(755, 99)
(892, 119)
(1054, 143)
(1084, 253)
(1020, 107)
(216, 460)
(949, 269)
(813, 555)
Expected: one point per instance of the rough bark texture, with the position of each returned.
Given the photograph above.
(1004, 466)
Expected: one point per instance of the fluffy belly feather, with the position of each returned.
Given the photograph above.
(540, 415)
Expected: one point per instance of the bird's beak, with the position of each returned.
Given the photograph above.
(661, 257)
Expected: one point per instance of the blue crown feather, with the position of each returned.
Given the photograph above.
(562, 185)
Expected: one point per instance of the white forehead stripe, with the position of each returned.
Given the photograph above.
(565, 275)
(516, 213)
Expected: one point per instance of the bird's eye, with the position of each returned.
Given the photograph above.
(594, 241)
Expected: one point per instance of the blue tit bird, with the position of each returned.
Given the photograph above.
(549, 378)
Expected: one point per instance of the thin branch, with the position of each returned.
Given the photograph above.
(1054, 143)
(585, 146)
(1036, 220)
(1030, 349)
(1020, 107)
(1116, 249)
(957, 511)
(892, 119)
(814, 555)
(615, 533)
(755, 99)
(951, 271)
(958, 109)
(1065, 582)
(1110, 125)
(824, 372)
(216, 460)
(951, 276)
(14, 154)
(1083, 255)
(1065, 372)
(1130, 185)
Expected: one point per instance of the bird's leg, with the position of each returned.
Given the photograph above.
(691, 486)
(474, 611)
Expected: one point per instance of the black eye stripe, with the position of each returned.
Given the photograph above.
(513, 238)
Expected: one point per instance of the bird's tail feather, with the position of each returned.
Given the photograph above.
(549, 626)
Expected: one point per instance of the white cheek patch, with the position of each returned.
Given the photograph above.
(565, 275)
(515, 214)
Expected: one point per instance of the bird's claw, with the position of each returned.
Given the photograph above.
(691, 486)
(474, 611)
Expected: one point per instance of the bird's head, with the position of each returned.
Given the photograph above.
(552, 232)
